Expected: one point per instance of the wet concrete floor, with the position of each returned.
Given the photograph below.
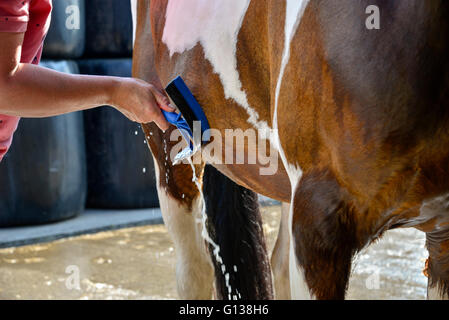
(139, 263)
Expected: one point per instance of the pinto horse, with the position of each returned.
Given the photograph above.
(358, 116)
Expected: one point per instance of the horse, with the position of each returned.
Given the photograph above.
(352, 96)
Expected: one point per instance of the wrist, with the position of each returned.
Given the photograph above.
(113, 91)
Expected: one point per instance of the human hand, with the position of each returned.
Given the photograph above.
(141, 102)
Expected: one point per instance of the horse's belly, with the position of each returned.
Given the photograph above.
(275, 186)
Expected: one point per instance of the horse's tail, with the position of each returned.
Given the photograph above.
(235, 224)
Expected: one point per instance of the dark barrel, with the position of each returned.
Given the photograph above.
(67, 34)
(43, 176)
(120, 170)
(108, 28)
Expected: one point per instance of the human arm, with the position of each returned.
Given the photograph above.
(28, 90)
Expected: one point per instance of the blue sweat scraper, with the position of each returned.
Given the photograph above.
(190, 112)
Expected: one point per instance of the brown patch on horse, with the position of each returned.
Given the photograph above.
(382, 165)
(144, 68)
(176, 180)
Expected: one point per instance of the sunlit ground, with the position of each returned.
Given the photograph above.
(139, 263)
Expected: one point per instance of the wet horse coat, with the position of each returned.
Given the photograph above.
(360, 118)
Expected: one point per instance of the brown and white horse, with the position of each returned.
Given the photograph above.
(358, 116)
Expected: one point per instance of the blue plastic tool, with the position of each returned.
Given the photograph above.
(190, 111)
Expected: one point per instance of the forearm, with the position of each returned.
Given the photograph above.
(33, 91)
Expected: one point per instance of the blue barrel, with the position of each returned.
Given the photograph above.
(43, 176)
(108, 29)
(120, 167)
(67, 34)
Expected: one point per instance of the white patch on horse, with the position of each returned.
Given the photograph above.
(434, 208)
(215, 25)
(294, 12)
(298, 286)
(134, 17)
(194, 270)
(438, 208)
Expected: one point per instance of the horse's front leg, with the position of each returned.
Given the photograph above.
(180, 204)
(178, 196)
(323, 239)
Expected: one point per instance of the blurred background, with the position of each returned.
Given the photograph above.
(61, 165)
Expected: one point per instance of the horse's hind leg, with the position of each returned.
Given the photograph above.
(323, 239)
(280, 256)
(438, 265)
(437, 242)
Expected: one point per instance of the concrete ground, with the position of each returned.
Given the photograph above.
(90, 221)
(139, 262)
